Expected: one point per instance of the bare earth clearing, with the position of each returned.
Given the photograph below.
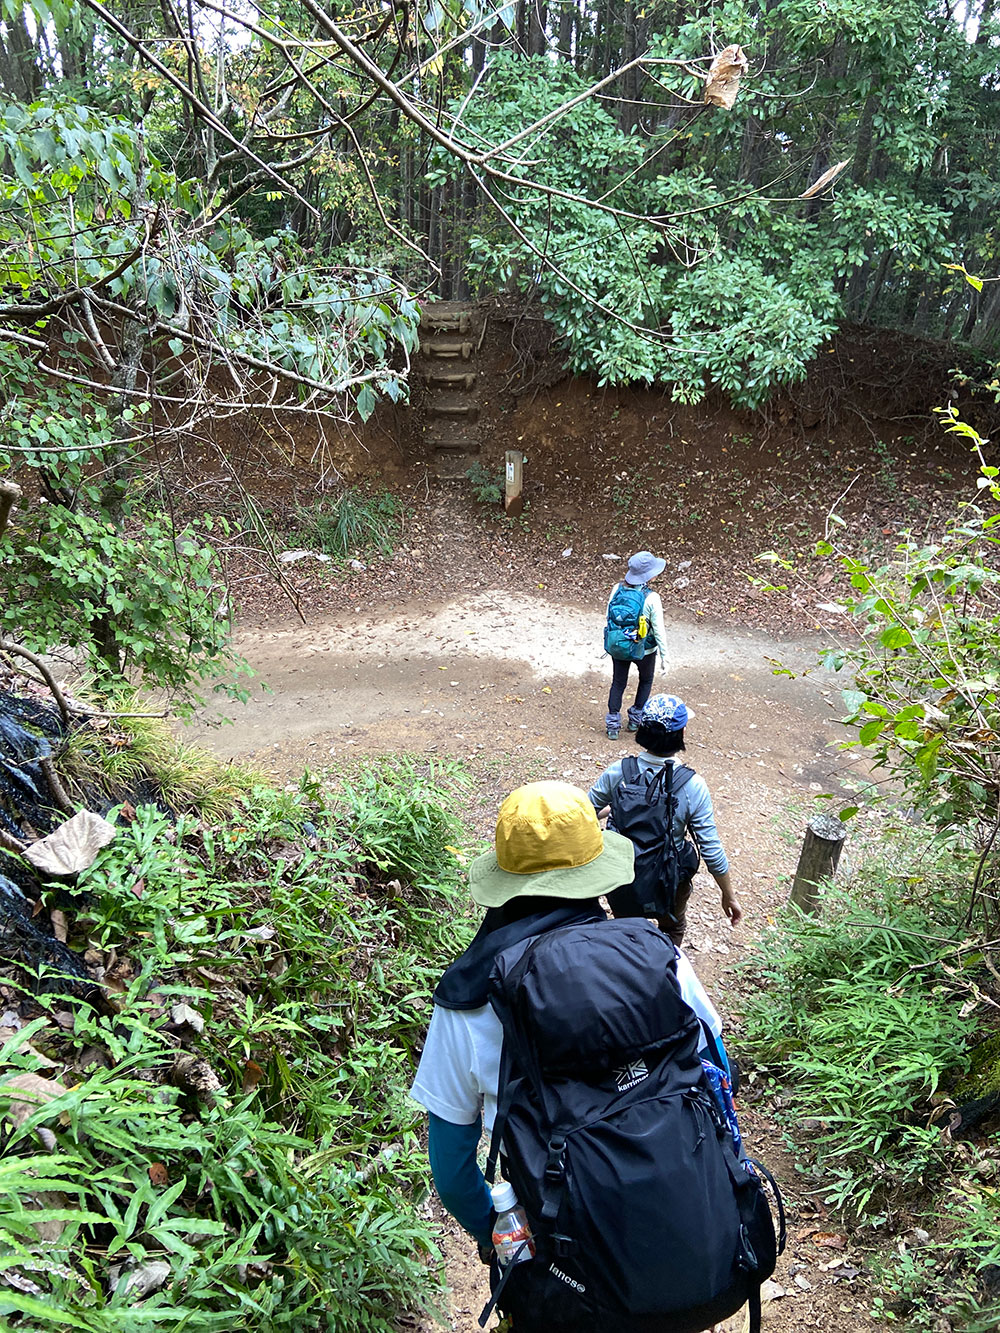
(516, 686)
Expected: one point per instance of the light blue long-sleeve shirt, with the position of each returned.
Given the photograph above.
(693, 811)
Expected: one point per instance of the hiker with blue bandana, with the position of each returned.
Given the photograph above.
(634, 632)
(655, 800)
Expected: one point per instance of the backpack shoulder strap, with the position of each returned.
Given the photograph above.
(630, 769)
(682, 776)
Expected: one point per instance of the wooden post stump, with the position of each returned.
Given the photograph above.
(818, 859)
(512, 501)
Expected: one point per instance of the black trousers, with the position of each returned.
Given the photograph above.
(646, 667)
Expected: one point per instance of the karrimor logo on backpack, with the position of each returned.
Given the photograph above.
(629, 1075)
(645, 1216)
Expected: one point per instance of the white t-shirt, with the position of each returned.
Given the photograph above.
(459, 1070)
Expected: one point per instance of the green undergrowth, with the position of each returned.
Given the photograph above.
(132, 752)
(264, 1174)
(356, 522)
(861, 1022)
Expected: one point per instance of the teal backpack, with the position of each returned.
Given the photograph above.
(626, 629)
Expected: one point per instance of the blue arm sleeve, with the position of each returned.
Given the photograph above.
(457, 1177)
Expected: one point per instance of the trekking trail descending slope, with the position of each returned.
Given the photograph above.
(516, 686)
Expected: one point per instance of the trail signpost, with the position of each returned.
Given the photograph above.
(512, 502)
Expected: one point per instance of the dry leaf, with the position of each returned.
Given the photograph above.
(724, 74)
(60, 926)
(183, 1016)
(33, 1092)
(20, 1283)
(26, 1048)
(146, 1278)
(48, 1232)
(830, 1240)
(823, 181)
(73, 846)
(158, 1174)
(252, 1075)
(846, 1273)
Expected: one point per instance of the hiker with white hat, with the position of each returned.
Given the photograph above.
(593, 1054)
(551, 863)
(634, 632)
(658, 800)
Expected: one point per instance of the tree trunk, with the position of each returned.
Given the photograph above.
(628, 84)
(564, 41)
(537, 38)
(863, 142)
(20, 76)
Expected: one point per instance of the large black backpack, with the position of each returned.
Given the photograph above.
(642, 809)
(645, 1218)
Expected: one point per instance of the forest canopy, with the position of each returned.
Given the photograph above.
(289, 177)
(222, 206)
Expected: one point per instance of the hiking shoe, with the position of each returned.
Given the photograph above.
(633, 726)
(613, 733)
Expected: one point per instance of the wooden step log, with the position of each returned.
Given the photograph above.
(446, 322)
(448, 350)
(455, 380)
(455, 411)
(450, 445)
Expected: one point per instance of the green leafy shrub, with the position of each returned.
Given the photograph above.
(855, 1011)
(354, 522)
(153, 610)
(394, 813)
(487, 485)
(921, 654)
(279, 1191)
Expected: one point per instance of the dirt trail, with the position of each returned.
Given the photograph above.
(516, 686)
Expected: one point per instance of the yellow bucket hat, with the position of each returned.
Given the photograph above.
(549, 844)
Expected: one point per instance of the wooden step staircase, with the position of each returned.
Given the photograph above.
(446, 364)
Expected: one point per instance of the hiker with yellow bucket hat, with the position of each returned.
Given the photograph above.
(594, 1056)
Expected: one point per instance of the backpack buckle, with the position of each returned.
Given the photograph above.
(564, 1246)
(554, 1169)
